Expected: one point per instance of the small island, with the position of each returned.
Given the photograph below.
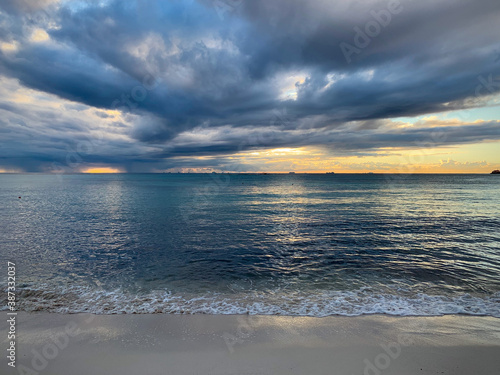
(496, 171)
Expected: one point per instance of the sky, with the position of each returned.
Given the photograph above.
(250, 86)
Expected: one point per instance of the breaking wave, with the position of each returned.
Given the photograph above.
(292, 303)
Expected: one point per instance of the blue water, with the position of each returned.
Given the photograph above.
(312, 245)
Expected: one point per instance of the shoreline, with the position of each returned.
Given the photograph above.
(55, 343)
(320, 303)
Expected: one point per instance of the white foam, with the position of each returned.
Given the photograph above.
(318, 304)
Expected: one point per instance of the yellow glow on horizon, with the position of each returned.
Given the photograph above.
(283, 151)
(102, 170)
(474, 158)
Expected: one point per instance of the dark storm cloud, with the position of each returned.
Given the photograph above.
(184, 65)
(344, 142)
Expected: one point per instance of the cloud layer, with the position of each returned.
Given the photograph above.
(158, 82)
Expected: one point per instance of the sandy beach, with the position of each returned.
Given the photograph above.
(86, 344)
(250, 187)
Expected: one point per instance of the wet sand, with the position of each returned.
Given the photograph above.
(85, 344)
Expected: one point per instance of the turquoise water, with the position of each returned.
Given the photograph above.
(312, 245)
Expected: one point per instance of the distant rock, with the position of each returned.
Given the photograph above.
(496, 171)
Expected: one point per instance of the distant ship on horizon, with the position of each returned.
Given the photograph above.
(330, 172)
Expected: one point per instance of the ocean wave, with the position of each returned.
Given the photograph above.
(291, 303)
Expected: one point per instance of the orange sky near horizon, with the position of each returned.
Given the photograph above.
(102, 170)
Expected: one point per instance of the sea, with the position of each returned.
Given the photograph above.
(272, 244)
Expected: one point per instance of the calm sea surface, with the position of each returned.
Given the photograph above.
(264, 244)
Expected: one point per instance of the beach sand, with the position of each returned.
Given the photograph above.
(83, 344)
